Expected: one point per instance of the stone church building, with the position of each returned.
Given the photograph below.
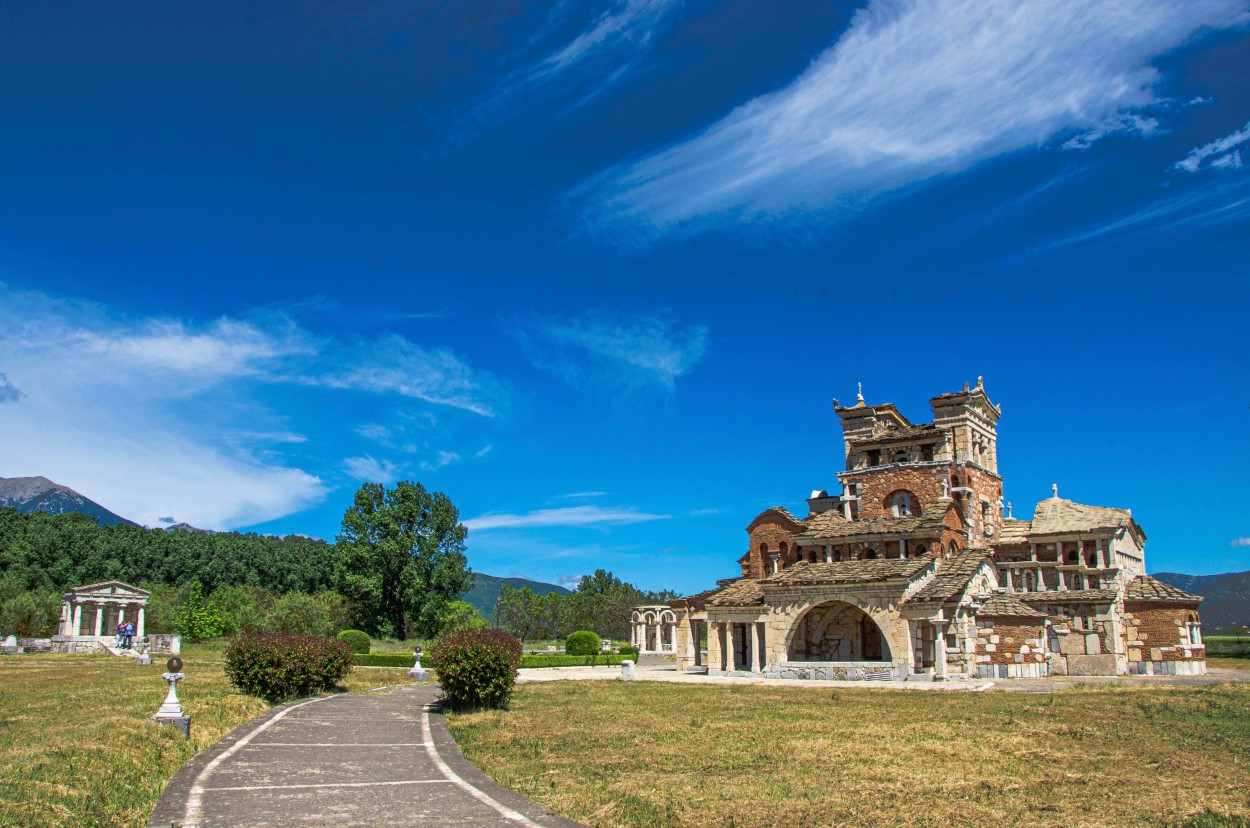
(917, 570)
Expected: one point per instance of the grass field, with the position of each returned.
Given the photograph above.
(657, 754)
(76, 746)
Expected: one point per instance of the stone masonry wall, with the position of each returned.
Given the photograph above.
(1010, 641)
(878, 484)
(1155, 633)
(774, 535)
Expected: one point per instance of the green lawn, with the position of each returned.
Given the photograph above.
(658, 754)
(76, 746)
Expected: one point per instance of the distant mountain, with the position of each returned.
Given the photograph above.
(186, 527)
(39, 494)
(1227, 596)
(485, 591)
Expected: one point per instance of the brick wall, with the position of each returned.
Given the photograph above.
(1009, 641)
(772, 534)
(877, 485)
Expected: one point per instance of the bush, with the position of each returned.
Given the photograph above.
(357, 640)
(628, 651)
(299, 613)
(404, 660)
(544, 660)
(476, 668)
(242, 608)
(195, 620)
(30, 615)
(582, 642)
(281, 667)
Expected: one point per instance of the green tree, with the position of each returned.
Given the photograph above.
(196, 620)
(30, 615)
(401, 559)
(461, 615)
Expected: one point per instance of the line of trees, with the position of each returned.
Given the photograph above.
(601, 603)
(395, 570)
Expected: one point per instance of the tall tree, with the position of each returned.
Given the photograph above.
(401, 558)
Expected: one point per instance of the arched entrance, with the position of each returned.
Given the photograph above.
(837, 631)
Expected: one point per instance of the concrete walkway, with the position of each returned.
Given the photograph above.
(374, 759)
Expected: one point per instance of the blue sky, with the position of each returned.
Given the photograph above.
(596, 270)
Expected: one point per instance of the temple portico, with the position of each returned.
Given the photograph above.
(97, 610)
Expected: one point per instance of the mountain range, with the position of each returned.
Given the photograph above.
(1226, 604)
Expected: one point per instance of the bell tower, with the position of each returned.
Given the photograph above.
(971, 420)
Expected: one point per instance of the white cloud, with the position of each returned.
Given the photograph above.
(603, 52)
(392, 364)
(153, 417)
(570, 516)
(913, 89)
(570, 581)
(640, 348)
(1219, 148)
(370, 470)
(1139, 124)
(440, 459)
(1240, 542)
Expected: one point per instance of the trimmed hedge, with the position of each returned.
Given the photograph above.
(384, 660)
(281, 667)
(601, 659)
(476, 668)
(582, 642)
(628, 651)
(358, 640)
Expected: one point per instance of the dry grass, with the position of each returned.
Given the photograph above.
(1229, 663)
(657, 754)
(76, 746)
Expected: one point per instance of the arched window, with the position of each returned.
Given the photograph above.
(1027, 582)
(900, 457)
(1073, 558)
(920, 550)
(811, 556)
(869, 554)
(902, 504)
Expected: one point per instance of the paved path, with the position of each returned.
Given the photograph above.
(375, 759)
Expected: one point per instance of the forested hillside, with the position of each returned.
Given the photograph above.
(51, 553)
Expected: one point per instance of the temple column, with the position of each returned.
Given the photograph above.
(1011, 587)
(828, 553)
(902, 549)
(139, 623)
(99, 620)
(698, 649)
(753, 641)
(731, 657)
(1041, 581)
(77, 628)
(1063, 581)
(121, 616)
(776, 564)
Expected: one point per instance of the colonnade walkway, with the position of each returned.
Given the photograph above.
(379, 758)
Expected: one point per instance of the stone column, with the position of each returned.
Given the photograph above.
(753, 641)
(698, 649)
(1041, 581)
(776, 564)
(99, 620)
(1063, 581)
(731, 657)
(139, 623)
(828, 553)
(121, 616)
(77, 618)
(1011, 587)
(939, 649)
(902, 549)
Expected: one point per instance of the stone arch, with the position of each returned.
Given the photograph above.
(901, 503)
(894, 633)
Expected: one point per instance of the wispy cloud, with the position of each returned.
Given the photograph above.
(372, 470)
(8, 391)
(156, 417)
(569, 71)
(633, 349)
(570, 581)
(1239, 542)
(912, 90)
(1218, 151)
(569, 516)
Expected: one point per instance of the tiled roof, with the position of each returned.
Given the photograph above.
(1071, 596)
(887, 434)
(741, 593)
(1145, 588)
(831, 524)
(1056, 516)
(1014, 531)
(952, 577)
(1007, 606)
(780, 510)
(698, 601)
(849, 572)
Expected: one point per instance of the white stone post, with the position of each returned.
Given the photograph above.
(1011, 587)
(730, 657)
(753, 641)
(939, 649)
(902, 549)
(77, 618)
(121, 615)
(99, 620)
(139, 624)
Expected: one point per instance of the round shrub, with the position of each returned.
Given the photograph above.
(357, 640)
(476, 668)
(582, 642)
(281, 667)
(628, 650)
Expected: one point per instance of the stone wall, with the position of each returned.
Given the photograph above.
(772, 534)
(1011, 648)
(841, 671)
(924, 480)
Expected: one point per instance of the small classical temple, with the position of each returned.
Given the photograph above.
(917, 570)
(98, 609)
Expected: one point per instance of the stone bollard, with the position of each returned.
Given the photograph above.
(171, 709)
(418, 672)
(627, 670)
(143, 657)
